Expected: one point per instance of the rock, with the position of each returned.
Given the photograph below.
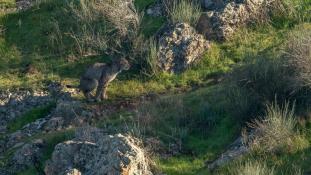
(54, 124)
(237, 149)
(156, 9)
(27, 156)
(73, 172)
(22, 5)
(15, 103)
(66, 115)
(93, 152)
(213, 4)
(227, 16)
(68, 109)
(15, 138)
(179, 47)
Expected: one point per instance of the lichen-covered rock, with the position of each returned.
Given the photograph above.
(24, 4)
(179, 47)
(73, 172)
(93, 152)
(15, 103)
(27, 156)
(226, 16)
(67, 114)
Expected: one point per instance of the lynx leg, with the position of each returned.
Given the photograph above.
(87, 95)
(99, 91)
(104, 93)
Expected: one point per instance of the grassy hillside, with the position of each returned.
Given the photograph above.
(194, 109)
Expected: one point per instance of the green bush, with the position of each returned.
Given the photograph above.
(284, 76)
(260, 80)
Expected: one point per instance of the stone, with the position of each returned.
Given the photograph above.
(236, 150)
(94, 152)
(54, 124)
(14, 103)
(179, 47)
(15, 138)
(156, 9)
(73, 172)
(22, 5)
(27, 156)
(226, 17)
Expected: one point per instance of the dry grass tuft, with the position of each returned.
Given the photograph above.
(183, 11)
(276, 131)
(252, 167)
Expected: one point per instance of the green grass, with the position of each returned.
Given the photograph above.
(198, 120)
(142, 4)
(30, 116)
(204, 149)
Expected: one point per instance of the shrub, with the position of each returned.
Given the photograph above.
(263, 79)
(276, 131)
(94, 27)
(298, 58)
(287, 12)
(285, 76)
(252, 167)
(183, 11)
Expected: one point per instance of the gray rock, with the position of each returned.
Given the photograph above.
(54, 124)
(96, 153)
(22, 5)
(27, 156)
(15, 103)
(179, 47)
(73, 172)
(212, 4)
(226, 16)
(156, 9)
(237, 149)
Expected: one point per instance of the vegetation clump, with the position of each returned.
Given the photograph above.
(276, 132)
(183, 11)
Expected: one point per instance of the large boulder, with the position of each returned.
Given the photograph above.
(93, 152)
(180, 46)
(227, 16)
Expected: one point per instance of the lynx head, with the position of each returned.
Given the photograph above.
(124, 64)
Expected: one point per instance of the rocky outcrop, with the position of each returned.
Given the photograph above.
(179, 47)
(237, 149)
(15, 103)
(66, 115)
(27, 156)
(225, 16)
(24, 4)
(93, 152)
(156, 9)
